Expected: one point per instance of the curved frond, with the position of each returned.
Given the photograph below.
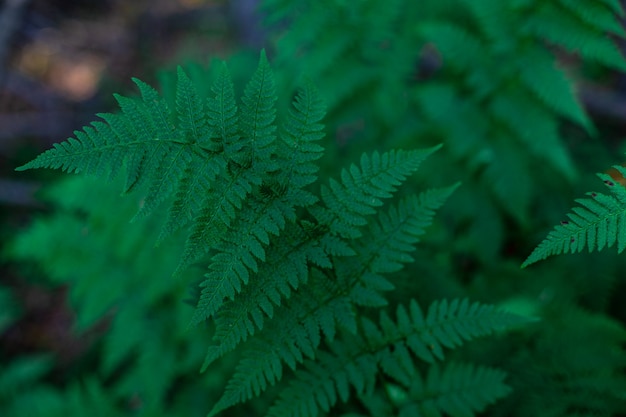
(599, 222)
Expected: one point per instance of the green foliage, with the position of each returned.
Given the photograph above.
(256, 218)
(116, 282)
(454, 72)
(314, 289)
(578, 366)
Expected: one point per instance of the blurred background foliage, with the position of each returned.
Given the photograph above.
(527, 96)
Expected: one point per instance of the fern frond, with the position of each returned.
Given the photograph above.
(394, 238)
(388, 246)
(250, 157)
(459, 390)
(356, 362)
(359, 282)
(222, 110)
(196, 181)
(362, 188)
(446, 325)
(292, 336)
(400, 233)
(284, 271)
(599, 222)
(302, 129)
(267, 215)
(219, 122)
(186, 152)
(257, 117)
(237, 254)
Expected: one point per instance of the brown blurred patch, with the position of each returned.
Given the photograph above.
(616, 175)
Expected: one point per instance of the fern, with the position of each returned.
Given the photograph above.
(325, 305)
(356, 363)
(277, 202)
(375, 179)
(439, 391)
(288, 270)
(382, 254)
(181, 152)
(599, 222)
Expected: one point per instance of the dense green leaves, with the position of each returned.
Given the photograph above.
(298, 263)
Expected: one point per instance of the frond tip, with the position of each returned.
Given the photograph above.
(599, 222)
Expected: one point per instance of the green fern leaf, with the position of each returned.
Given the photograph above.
(540, 75)
(236, 257)
(447, 324)
(302, 129)
(291, 336)
(599, 222)
(237, 325)
(384, 250)
(257, 117)
(278, 199)
(284, 271)
(222, 112)
(250, 157)
(210, 130)
(357, 361)
(394, 239)
(388, 245)
(459, 390)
